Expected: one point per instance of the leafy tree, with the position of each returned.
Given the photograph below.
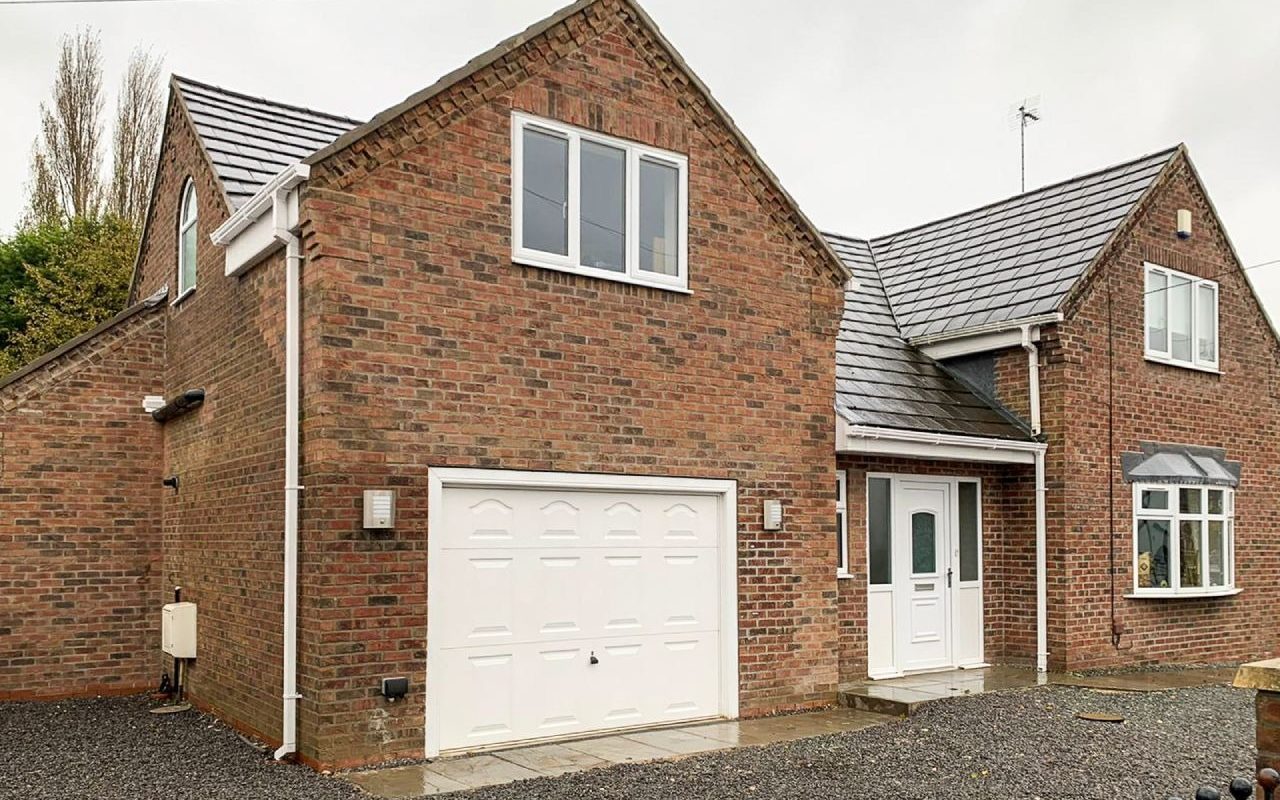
(75, 276)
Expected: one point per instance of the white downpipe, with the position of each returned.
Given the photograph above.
(1042, 577)
(293, 268)
(1033, 376)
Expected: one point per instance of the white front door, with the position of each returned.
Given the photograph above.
(922, 550)
(559, 606)
(924, 601)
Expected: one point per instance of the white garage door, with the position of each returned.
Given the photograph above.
(564, 604)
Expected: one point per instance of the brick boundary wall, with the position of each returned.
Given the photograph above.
(79, 536)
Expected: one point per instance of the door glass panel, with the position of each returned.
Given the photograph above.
(659, 200)
(1189, 553)
(879, 538)
(968, 531)
(544, 194)
(924, 542)
(1217, 554)
(603, 177)
(1153, 554)
(1157, 312)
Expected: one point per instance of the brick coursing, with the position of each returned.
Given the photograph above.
(1152, 402)
(437, 350)
(80, 532)
(222, 530)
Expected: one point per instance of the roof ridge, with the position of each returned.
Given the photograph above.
(1168, 151)
(242, 95)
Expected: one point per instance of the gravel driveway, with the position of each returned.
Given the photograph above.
(1013, 745)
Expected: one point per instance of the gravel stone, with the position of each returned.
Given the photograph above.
(1014, 745)
(1007, 745)
(113, 749)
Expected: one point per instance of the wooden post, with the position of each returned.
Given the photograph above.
(1264, 676)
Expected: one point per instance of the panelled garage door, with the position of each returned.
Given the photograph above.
(565, 604)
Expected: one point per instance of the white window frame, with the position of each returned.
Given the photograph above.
(1174, 516)
(572, 262)
(1166, 356)
(188, 190)
(842, 525)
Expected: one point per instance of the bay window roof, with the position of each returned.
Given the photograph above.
(1180, 464)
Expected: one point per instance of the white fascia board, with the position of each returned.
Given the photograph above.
(980, 343)
(249, 234)
(991, 327)
(866, 440)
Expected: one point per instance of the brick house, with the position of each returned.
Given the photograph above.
(522, 391)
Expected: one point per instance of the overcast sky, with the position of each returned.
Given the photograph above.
(875, 115)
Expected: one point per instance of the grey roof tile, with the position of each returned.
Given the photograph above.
(882, 381)
(1043, 239)
(249, 139)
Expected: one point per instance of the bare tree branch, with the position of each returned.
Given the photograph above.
(68, 159)
(139, 116)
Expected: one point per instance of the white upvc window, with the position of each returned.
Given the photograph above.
(1183, 540)
(592, 204)
(842, 524)
(187, 216)
(1181, 318)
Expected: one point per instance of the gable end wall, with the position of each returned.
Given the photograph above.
(438, 350)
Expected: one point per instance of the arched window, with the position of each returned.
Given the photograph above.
(187, 240)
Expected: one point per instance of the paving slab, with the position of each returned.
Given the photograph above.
(619, 749)
(683, 741)
(547, 760)
(551, 759)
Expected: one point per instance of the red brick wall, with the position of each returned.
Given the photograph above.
(1235, 410)
(438, 350)
(1008, 556)
(223, 528)
(80, 532)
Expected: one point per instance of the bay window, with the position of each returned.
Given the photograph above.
(1181, 318)
(592, 204)
(1183, 540)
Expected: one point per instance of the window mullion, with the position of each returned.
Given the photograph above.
(1175, 547)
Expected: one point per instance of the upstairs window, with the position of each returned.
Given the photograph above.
(1181, 318)
(592, 204)
(1183, 540)
(187, 240)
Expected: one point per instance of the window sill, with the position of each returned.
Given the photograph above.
(183, 296)
(1165, 595)
(602, 274)
(1169, 362)
(844, 576)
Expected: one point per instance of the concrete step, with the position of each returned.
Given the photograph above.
(865, 698)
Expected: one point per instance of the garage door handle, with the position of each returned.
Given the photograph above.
(593, 660)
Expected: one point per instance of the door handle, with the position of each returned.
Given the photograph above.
(593, 660)
(948, 577)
